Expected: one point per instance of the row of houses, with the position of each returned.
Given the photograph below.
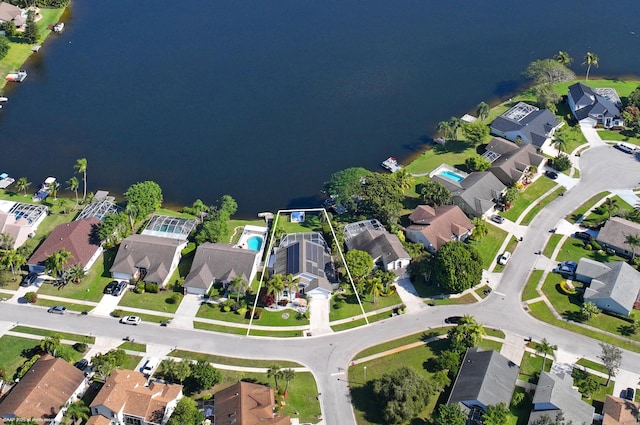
(126, 398)
(487, 378)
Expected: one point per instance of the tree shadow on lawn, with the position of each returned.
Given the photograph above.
(452, 146)
(363, 399)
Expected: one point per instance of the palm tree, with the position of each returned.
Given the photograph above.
(589, 60)
(547, 349)
(274, 372)
(405, 179)
(456, 124)
(633, 241)
(73, 184)
(6, 241)
(287, 375)
(483, 111)
(374, 287)
(560, 143)
(53, 189)
(480, 230)
(563, 58)
(611, 205)
(132, 211)
(291, 283)
(77, 411)
(75, 274)
(22, 185)
(444, 128)
(57, 261)
(14, 260)
(239, 286)
(472, 330)
(81, 167)
(275, 285)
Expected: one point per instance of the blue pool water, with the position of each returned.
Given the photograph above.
(452, 176)
(254, 243)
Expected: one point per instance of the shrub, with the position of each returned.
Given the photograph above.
(31, 297)
(226, 308)
(151, 287)
(80, 347)
(26, 366)
(588, 247)
(174, 299)
(257, 314)
(561, 162)
(595, 245)
(517, 399)
(139, 288)
(117, 313)
(207, 396)
(242, 311)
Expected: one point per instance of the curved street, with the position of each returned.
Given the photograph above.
(328, 356)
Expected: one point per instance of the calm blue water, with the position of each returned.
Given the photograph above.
(254, 243)
(264, 100)
(452, 176)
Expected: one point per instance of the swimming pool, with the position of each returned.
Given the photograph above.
(452, 176)
(254, 243)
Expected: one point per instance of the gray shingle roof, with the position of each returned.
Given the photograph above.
(476, 193)
(485, 377)
(621, 283)
(305, 254)
(615, 230)
(557, 391)
(379, 244)
(151, 252)
(588, 102)
(534, 127)
(219, 262)
(512, 164)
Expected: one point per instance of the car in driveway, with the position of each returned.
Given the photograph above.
(29, 279)
(504, 258)
(110, 287)
(629, 393)
(131, 320)
(119, 288)
(453, 319)
(551, 174)
(583, 236)
(497, 219)
(58, 309)
(82, 364)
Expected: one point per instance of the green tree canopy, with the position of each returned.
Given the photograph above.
(186, 413)
(611, 357)
(457, 267)
(346, 186)
(449, 414)
(214, 227)
(383, 197)
(496, 415)
(477, 163)
(4, 46)
(634, 98)
(547, 97)
(31, 29)
(402, 394)
(104, 363)
(548, 71)
(145, 196)
(204, 376)
(359, 262)
(435, 194)
(475, 132)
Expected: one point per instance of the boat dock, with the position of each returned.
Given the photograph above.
(391, 164)
(16, 77)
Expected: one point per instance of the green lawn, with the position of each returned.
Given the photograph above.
(618, 135)
(465, 299)
(490, 244)
(531, 365)
(401, 342)
(529, 292)
(534, 191)
(243, 331)
(551, 245)
(133, 346)
(573, 249)
(600, 214)
(570, 131)
(622, 87)
(540, 205)
(131, 362)
(70, 306)
(454, 153)
(150, 301)
(9, 280)
(350, 307)
(15, 351)
(232, 361)
(146, 317)
(63, 335)
(592, 365)
(286, 317)
(361, 322)
(511, 246)
(582, 209)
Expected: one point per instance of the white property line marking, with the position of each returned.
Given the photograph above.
(337, 373)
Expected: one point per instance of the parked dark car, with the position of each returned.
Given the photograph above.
(120, 286)
(584, 236)
(110, 287)
(629, 393)
(551, 174)
(82, 364)
(29, 279)
(453, 319)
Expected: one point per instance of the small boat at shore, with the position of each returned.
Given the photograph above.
(5, 180)
(45, 189)
(58, 27)
(4, 99)
(391, 164)
(16, 77)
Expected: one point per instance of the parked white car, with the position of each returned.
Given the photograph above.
(504, 258)
(130, 320)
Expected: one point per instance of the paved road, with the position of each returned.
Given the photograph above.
(327, 356)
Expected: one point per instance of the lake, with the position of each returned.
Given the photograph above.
(264, 100)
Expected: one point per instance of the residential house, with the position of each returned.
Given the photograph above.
(219, 262)
(307, 257)
(612, 287)
(41, 394)
(477, 194)
(11, 13)
(433, 227)
(246, 403)
(556, 394)
(385, 248)
(485, 378)
(77, 237)
(512, 163)
(614, 233)
(20, 220)
(525, 123)
(599, 106)
(618, 411)
(126, 398)
(147, 258)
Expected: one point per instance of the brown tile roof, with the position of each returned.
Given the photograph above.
(618, 411)
(98, 420)
(48, 385)
(246, 403)
(439, 224)
(76, 237)
(125, 390)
